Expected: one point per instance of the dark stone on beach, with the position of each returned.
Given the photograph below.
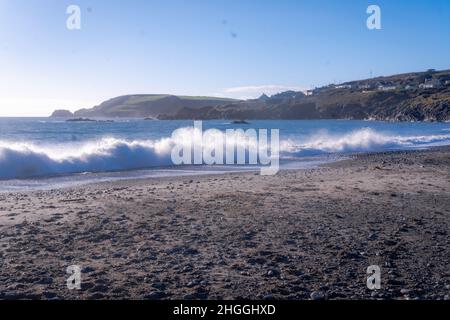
(273, 273)
(68, 258)
(405, 291)
(297, 289)
(190, 251)
(306, 277)
(159, 285)
(193, 283)
(86, 285)
(390, 242)
(120, 291)
(100, 238)
(351, 255)
(282, 259)
(317, 295)
(249, 235)
(187, 269)
(253, 261)
(99, 288)
(49, 295)
(201, 293)
(157, 295)
(395, 282)
(87, 270)
(19, 296)
(265, 253)
(183, 250)
(96, 296)
(45, 281)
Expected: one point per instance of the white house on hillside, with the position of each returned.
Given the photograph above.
(427, 85)
(387, 87)
(430, 84)
(343, 86)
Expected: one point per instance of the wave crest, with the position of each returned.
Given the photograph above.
(23, 160)
(364, 139)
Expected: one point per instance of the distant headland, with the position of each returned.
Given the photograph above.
(416, 96)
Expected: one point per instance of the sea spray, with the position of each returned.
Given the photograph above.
(25, 158)
(234, 147)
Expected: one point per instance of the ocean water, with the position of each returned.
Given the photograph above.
(40, 152)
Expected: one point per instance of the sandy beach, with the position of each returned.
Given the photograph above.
(296, 235)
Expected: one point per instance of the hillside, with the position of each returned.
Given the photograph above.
(148, 106)
(419, 96)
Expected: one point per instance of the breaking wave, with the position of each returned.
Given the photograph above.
(23, 160)
(365, 139)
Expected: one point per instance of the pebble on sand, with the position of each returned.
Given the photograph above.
(317, 295)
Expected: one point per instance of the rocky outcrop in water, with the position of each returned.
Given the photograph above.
(62, 114)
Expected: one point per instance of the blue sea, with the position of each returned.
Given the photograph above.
(45, 153)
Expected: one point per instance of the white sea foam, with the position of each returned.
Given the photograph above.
(22, 159)
(365, 139)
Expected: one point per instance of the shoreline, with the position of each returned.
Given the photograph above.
(78, 180)
(63, 181)
(238, 235)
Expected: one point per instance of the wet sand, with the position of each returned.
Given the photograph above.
(298, 235)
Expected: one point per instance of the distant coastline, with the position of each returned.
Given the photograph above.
(419, 96)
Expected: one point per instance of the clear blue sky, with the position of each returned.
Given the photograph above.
(236, 48)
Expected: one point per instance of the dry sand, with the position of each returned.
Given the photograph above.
(238, 235)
